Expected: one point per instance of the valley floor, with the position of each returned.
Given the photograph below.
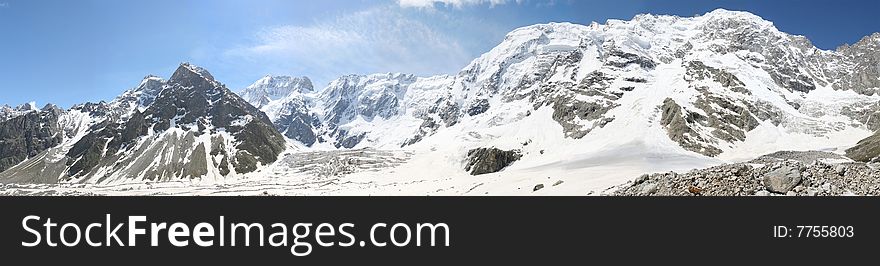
(387, 172)
(622, 171)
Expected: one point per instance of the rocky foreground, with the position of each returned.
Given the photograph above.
(783, 173)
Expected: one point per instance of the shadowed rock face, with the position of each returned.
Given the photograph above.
(490, 160)
(867, 150)
(678, 124)
(194, 103)
(865, 75)
(567, 109)
(27, 135)
(299, 126)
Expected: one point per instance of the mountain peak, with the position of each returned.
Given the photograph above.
(721, 12)
(301, 84)
(727, 19)
(189, 75)
(872, 40)
(30, 106)
(187, 70)
(271, 88)
(150, 82)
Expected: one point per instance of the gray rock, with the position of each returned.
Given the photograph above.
(649, 188)
(866, 150)
(840, 169)
(864, 76)
(478, 107)
(538, 187)
(782, 179)
(779, 168)
(490, 160)
(567, 108)
(641, 179)
(27, 135)
(678, 124)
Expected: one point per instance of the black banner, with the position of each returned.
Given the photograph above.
(479, 230)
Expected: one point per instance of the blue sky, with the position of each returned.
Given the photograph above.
(67, 52)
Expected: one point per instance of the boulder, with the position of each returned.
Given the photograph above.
(840, 169)
(489, 160)
(782, 179)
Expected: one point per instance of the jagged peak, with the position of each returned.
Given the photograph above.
(187, 67)
(29, 106)
(371, 77)
(304, 84)
(714, 15)
(50, 107)
(721, 18)
(354, 84)
(534, 31)
(150, 80)
(870, 40)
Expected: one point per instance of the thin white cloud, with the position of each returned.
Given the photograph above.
(453, 3)
(375, 40)
(4, 4)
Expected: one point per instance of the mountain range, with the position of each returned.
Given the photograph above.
(590, 105)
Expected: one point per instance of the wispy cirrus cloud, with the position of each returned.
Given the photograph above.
(453, 3)
(370, 41)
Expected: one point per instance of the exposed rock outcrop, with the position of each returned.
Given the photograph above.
(867, 150)
(27, 135)
(678, 124)
(489, 160)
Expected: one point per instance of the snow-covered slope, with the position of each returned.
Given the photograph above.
(287, 102)
(655, 93)
(709, 83)
(274, 88)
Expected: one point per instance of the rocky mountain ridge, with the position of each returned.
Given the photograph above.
(721, 86)
(725, 74)
(190, 126)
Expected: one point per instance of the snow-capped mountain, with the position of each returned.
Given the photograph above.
(707, 83)
(7, 112)
(590, 104)
(190, 126)
(273, 88)
(352, 102)
(286, 101)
